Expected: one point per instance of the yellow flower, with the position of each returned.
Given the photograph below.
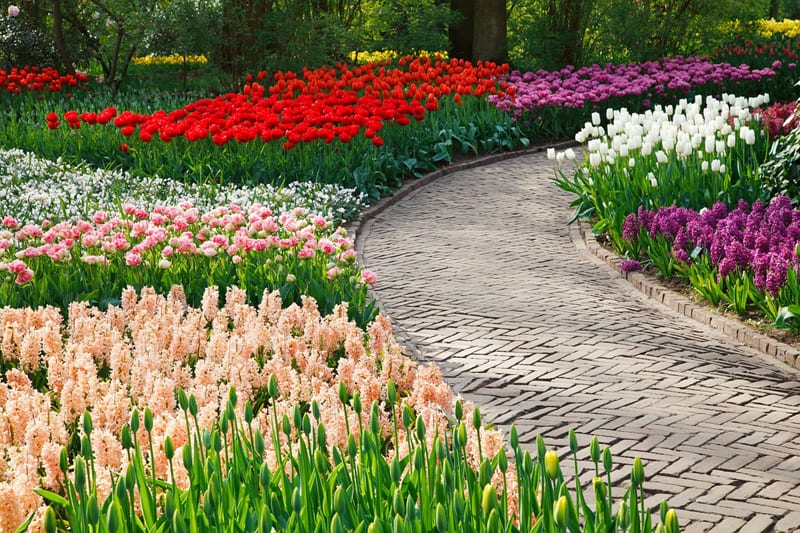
(787, 27)
(172, 59)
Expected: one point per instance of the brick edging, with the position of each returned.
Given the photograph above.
(650, 287)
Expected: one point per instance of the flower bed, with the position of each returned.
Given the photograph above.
(555, 104)
(96, 260)
(35, 189)
(691, 155)
(746, 257)
(775, 46)
(326, 125)
(35, 80)
(169, 415)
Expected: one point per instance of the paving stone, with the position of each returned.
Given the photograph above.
(480, 273)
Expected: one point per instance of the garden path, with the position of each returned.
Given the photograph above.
(480, 274)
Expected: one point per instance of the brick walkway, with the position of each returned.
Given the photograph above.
(480, 274)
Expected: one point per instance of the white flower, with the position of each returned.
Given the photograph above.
(570, 153)
(13, 11)
(704, 166)
(632, 162)
(652, 178)
(715, 164)
(661, 157)
(647, 148)
(595, 119)
(722, 169)
(594, 159)
(551, 154)
(560, 157)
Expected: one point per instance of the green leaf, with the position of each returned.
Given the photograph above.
(24, 526)
(52, 497)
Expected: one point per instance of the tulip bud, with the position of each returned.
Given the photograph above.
(49, 520)
(407, 416)
(637, 474)
(169, 448)
(441, 518)
(420, 428)
(459, 409)
(527, 463)
(375, 526)
(671, 522)
(297, 501)
(476, 418)
(87, 423)
(148, 419)
(573, 442)
(560, 511)
(607, 462)
(322, 439)
(192, 405)
(114, 517)
(134, 421)
(391, 392)
(461, 433)
(272, 387)
(286, 426)
(80, 474)
(93, 510)
(502, 462)
(187, 456)
(248, 412)
(623, 516)
(344, 396)
(357, 402)
(513, 438)
(375, 419)
(594, 450)
(551, 464)
(493, 523)
(183, 400)
(489, 498)
(63, 464)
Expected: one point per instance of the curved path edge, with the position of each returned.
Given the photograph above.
(582, 236)
(360, 228)
(653, 289)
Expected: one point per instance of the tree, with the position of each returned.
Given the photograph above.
(480, 34)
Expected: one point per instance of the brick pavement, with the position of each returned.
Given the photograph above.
(481, 275)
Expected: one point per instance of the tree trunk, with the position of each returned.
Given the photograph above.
(574, 17)
(489, 31)
(461, 33)
(58, 38)
(773, 9)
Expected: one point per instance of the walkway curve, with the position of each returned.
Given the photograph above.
(479, 274)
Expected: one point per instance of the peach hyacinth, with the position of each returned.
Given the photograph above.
(135, 356)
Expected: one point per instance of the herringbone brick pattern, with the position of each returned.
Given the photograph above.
(480, 275)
